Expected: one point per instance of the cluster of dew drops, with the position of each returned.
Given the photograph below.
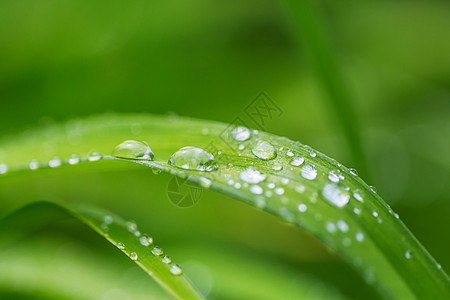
(145, 240)
(198, 159)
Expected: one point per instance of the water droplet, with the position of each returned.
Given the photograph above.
(121, 246)
(277, 167)
(34, 165)
(133, 256)
(408, 254)
(137, 233)
(104, 227)
(356, 210)
(175, 269)
(73, 160)
(3, 168)
(357, 196)
(157, 251)
(193, 158)
(131, 226)
(300, 188)
(309, 172)
(241, 147)
(359, 236)
(166, 259)
(297, 161)
(375, 213)
(237, 185)
(271, 185)
(342, 225)
(133, 150)
(312, 153)
(251, 175)
(205, 182)
(94, 156)
(333, 177)
(256, 189)
(260, 202)
(107, 219)
(264, 150)
(146, 240)
(279, 191)
(55, 162)
(335, 194)
(286, 214)
(290, 153)
(331, 227)
(373, 189)
(396, 215)
(302, 207)
(241, 134)
(353, 171)
(285, 180)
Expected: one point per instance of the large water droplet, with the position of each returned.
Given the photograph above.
(133, 150)
(241, 133)
(166, 259)
(55, 162)
(251, 175)
(133, 256)
(157, 251)
(264, 150)
(333, 177)
(193, 158)
(297, 161)
(335, 194)
(146, 240)
(309, 172)
(175, 269)
(73, 160)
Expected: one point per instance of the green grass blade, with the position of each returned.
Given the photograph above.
(365, 231)
(124, 235)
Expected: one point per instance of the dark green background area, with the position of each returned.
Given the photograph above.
(209, 60)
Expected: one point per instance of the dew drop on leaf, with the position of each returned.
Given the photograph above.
(264, 150)
(175, 269)
(333, 177)
(342, 225)
(166, 259)
(359, 236)
(408, 254)
(256, 189)
(157, 251)
(357, 196)
(297, 161)
(73, 160)
(146, 240)
(133, 256)
(193, 158)
(55, 162)
(335, 194)
(133, 150)
(353, 171)
(3, 168)
(251, 175)
(302, 207)
(94, 156)
(34, 165)
(241, 133)
(277, 167)
(309, 172)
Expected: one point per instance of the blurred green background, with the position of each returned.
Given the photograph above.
(209, 60)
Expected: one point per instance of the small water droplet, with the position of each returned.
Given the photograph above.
(133, 256)
(312, 153)
(241, 134)
(34, 165)
(285, 180)
(333, 177)
(55, 162)
(121, 246)
(205, 182)
(131, 226)
(373, 189)
(104, 227)
(264, 150)
(396, 215)
(133, 150)
(353, 171)
(94, 156)
(157, 251)
(300, 188)
(107, 219)
(277, 167)
(356, 210)
(260, 202)
(357, 196)
(256, 189)
(175, 269)
(146, 240)
(237, 185)
(309, 172)
(335, 194)
(297, 161)
(286, 214)
(251, 175)
(193, 158)
(3, 168)
(359, 236)
(279, 191)
(331, 227)
(342, 225)
(290, 153)
(302, 207)
(241, 147)
(166, 259)
(408, 254)
(375, 213)
(271, 185)
(73, 160)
